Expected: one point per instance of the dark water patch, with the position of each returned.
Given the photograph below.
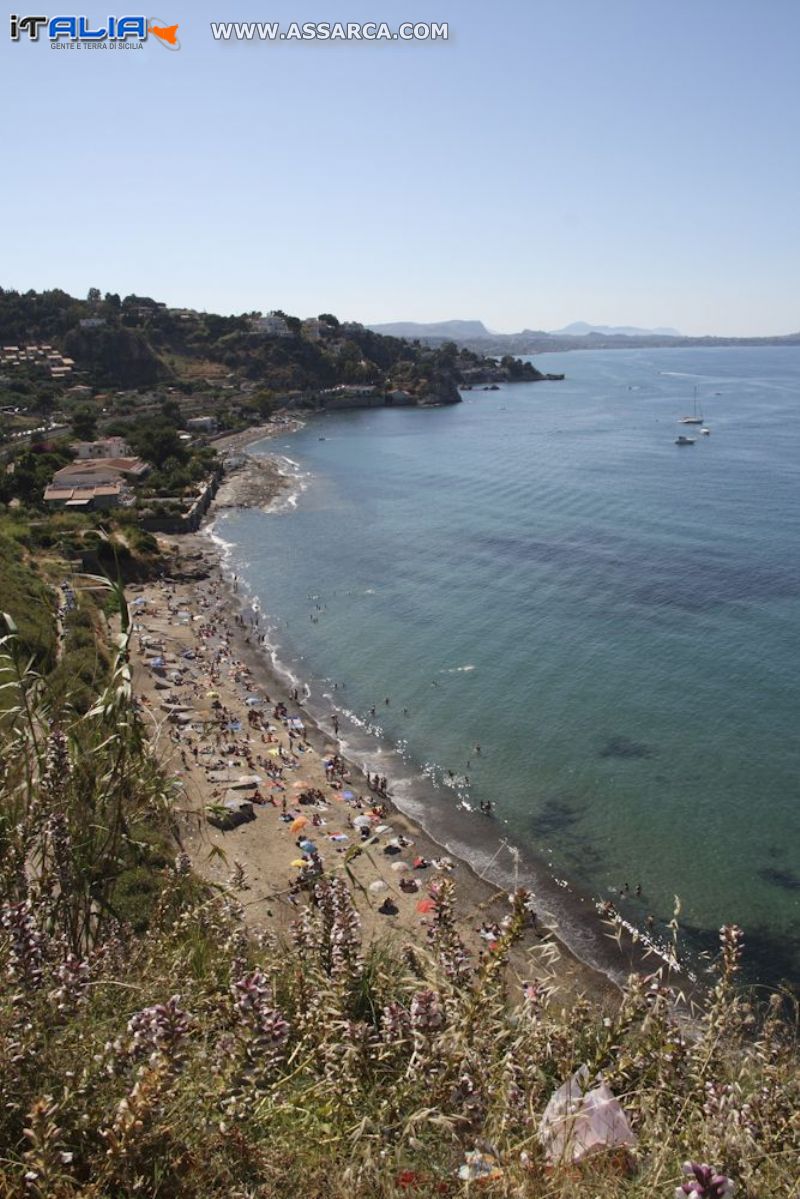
(624, 747)
(695, 584)
(786, 879)
(655, 574)
(770, 958)
(585, 858)
(554, 817)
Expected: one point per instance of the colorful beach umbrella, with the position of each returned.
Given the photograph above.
(299, 823)
(425, 905)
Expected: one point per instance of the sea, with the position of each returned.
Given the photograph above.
(536, 598)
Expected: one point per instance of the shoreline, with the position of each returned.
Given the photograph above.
(261, 847)
(572, 909)
(587, 917)
(258, 481)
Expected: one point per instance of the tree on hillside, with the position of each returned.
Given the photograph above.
(93, 295)
(157, 441)
(84, 422)
(293, 323)
(171, 412)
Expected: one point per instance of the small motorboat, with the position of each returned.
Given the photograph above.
(681, 440)
(706, 432)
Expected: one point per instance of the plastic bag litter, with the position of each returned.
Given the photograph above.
(479, 1165)
(578, 1122)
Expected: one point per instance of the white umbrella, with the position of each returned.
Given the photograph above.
(378, 886)
(362, 821)
(400, 866)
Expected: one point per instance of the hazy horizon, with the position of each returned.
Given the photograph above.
(545, 163)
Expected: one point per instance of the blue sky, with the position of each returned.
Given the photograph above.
(626, 162)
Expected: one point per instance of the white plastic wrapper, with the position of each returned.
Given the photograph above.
(577, 1122)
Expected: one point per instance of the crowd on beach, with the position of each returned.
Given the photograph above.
(242, 755)
(246, 750)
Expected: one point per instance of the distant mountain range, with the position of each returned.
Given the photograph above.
(472, 329)
(452, 330)
(577, 336)
(580, 329)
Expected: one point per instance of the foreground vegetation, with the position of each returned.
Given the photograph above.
(151, 1045)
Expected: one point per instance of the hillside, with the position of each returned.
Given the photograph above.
(52, 343)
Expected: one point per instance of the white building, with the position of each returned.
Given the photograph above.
(270, 326)
(107, 447)
(202, 424)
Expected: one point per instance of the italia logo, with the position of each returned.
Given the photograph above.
(84, 29)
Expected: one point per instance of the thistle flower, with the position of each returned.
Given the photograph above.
(73, 976)
(704, 1183)
(427, 1015)
(264, 1023)
(159, 1030)
(443, 936)
(395, 1023)
(27, 945)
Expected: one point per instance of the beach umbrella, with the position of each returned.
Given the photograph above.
(377, 886)
(308, 846)
(362, 821)
(298, 862)
(425, 905)
(299, 823)
(399, 867)
(347, 794)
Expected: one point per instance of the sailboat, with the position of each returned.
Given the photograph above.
(694, 419)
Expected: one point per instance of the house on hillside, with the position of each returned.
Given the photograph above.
(94, 482)
(100, 471)
(202, 424)
(270, 326)
(106, 447)
(85, 496)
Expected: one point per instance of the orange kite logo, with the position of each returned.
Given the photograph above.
(167, 33)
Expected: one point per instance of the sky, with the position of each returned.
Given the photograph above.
(618, 162)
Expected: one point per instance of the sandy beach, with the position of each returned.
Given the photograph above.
(239, 746)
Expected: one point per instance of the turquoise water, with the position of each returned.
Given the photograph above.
(614, 619)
